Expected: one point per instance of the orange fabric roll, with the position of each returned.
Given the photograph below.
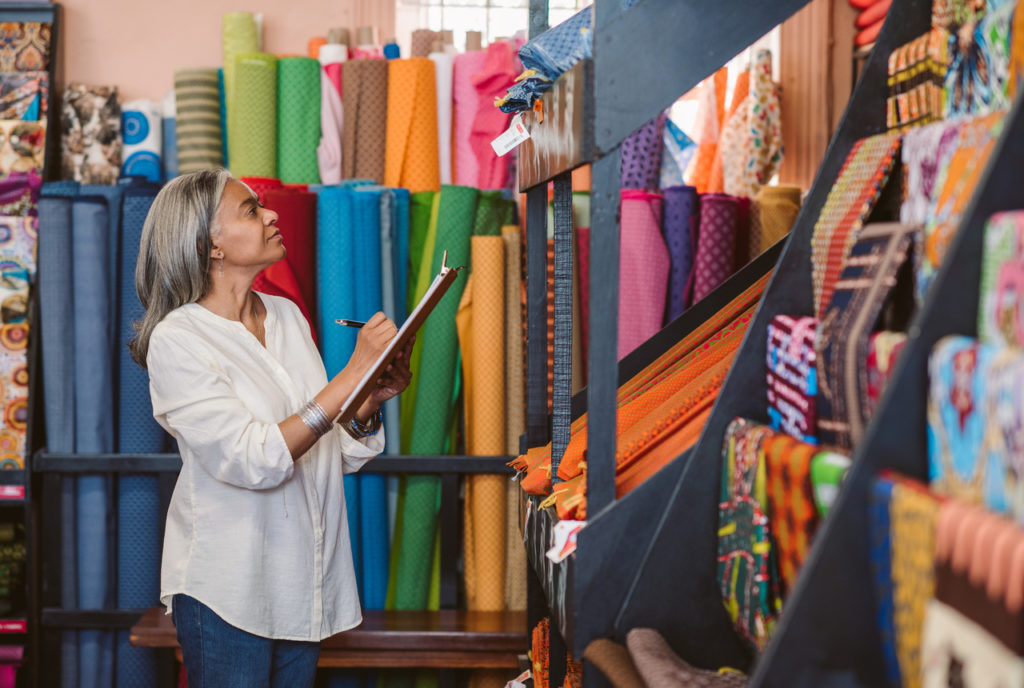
(868, 35)
(313, 47)
(873, 14)
(712, 112)
(411, 147)
(716, 180)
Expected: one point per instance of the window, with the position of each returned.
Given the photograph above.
(493, 18)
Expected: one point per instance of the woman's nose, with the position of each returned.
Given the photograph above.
(269, 216)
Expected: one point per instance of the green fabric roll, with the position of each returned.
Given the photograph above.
(492, 213)
(434, 407)
(239, 35)
(252, 127)
(197, 120)
(298, 120)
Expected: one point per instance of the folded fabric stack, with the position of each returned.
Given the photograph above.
(793, 377)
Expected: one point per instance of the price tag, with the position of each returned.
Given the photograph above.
(564, 536)
(520, 680)
(12, 492)
(513, 136)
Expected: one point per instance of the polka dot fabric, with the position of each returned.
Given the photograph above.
(641, 156)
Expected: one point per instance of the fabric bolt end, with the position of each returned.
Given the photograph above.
(411, 148)
(252, 129)
(91, 140)
(643, 269)
(197, 120)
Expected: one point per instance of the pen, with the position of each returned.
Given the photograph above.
(350, 323)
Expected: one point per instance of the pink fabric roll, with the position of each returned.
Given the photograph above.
(643, 269)
(716, 243)
(328, 153)
(464, 100)
(333, 72)
(498, 73)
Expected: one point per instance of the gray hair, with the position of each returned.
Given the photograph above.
(174, 254)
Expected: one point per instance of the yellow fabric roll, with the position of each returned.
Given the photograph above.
(411, 147)
(772, 216)
(515, 415)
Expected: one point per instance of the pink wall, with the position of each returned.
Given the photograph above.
(138, 44)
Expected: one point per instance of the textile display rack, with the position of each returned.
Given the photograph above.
(585, 119)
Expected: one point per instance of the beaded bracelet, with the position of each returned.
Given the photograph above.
(371, 427)
(315, 418)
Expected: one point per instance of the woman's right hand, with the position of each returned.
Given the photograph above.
(372, 340)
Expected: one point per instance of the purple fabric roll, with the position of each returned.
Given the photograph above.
(716, 243)
(679, 228)
(19, 192)
(641, 156)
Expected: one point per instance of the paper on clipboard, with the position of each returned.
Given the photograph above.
(412, 324)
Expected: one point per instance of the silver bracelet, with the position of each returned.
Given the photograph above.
(315, 418)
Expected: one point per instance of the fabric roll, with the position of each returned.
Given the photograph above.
(641, 156)
(252, 129)
(643, 269)
(998, 300)
(392, 51)
(828, 469)
(197, 123)
(26, 46)
(880, 553)
(297, 223)
(709, 127)
(659, 665)
(19, 194)
(411, 148)
(716, 243)
(751, 142)
(481, 328)
(791, 507)
(496, 75)
(465, 106)
(17, 271)
(328, 153)
(735, 133)
(142, 129)
(298, 120)
(615, 662)
(391, 263)
(842, 343)
(91, 136)
(262, 186)
(792, 377)
(94, 426)
(925, 151)
(443, 75)
(849, 204)
(772, 215)
(423, 41)
(239, 35)
(884, 350)
(679, 228)
(23, 146)
(169, 137)
(365, 99)
(24, 95)
(434, 396)
(223, 118)
(313, 46)
(678, 150)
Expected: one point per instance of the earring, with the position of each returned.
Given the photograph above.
(221, 268)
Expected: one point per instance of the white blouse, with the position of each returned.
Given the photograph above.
(259, 538)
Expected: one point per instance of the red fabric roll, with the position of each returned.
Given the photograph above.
(863, 4)
(297, 222)
(261, 185)
(869, 34)
(873, 14)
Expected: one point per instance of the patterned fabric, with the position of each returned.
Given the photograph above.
(24, 95)
(828, 469)
(641, 155)
(977, 80)
(880, 553)
(709, 129)
(716, 243)
(842, 346)
(746, 559)
(772, 215)
(764, 150)
(1001, 295)
(91, 143)
(954, 189)
(365, 99)
(677, 151)
(679, 228)
(19, 193)
(925, 151)
(411, 148)
(540, 652)
(957, 651)
(423, 42)
(849, 203)
(913, 513)
(17, 268)
(1016, 66)
(792, 511)
(142, 130)
(252, 127)
(1003, 484)
(197, 120)
(660, 666)
(917, 71)
(643, 269)
(884, 349)
(735, 134)
(793, 376)
(958, 373)
(22, 146)
(24, 47)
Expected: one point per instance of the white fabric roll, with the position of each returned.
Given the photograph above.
(443, 63)
(331, 53)
(141, 127)
(328, 153)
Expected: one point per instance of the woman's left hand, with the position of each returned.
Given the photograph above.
(394, 381)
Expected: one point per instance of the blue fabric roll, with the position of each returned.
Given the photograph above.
(390, 301)
(679, 228)
(112, 195)
(138, 501)
(57, 330)
(169, 156)
(335, 284)
(94, 426)
(392, 51)
(223, 118)
(373, 491)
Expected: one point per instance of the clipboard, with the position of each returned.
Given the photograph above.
(438, 288)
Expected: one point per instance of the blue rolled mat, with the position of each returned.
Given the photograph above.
(169, 154)
(373, 491)
(336, 286)
(94, 426)
(56, 323)
(138, 499)
(223, 118)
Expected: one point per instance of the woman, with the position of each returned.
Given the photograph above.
(257, 566)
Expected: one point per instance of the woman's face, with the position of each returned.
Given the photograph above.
(247, 235)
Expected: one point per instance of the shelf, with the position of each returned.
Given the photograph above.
(112, 619)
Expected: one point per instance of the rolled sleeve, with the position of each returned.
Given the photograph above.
(356, 453)
(196, 401)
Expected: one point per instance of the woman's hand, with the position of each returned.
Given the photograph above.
(395, 380)
(372, 340)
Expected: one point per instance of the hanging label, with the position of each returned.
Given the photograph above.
(520, 680)
(564, 536)
(513, 136)
(526, 519)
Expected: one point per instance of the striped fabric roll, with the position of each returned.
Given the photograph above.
(197, 94)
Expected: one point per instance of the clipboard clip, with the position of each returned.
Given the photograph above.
(444, 264)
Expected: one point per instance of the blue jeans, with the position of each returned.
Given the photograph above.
(218, 655)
